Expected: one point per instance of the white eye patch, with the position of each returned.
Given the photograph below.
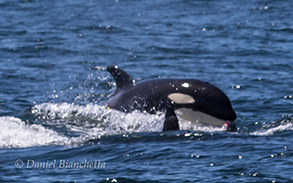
(181, 98)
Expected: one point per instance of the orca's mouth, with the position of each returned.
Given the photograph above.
(230, 126)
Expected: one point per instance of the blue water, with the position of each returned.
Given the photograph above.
(54, 87)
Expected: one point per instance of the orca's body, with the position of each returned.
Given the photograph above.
(191, 99)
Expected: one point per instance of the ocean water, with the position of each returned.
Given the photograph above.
(54, 87)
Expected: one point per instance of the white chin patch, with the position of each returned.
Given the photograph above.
(200, 117)
(181, 98)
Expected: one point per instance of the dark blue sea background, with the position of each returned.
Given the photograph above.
(54, 88)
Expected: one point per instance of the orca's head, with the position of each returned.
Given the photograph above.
(204, 103)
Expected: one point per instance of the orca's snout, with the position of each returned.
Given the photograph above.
(230, 126)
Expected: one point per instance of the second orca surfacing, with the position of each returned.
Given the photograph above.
(191, 99)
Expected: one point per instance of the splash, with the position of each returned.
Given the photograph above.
(71, 124)
(95, 120)
(275, 126)
(15, 133)
(193, 126)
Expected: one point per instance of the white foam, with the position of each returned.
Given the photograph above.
(106, 121)
(82, 122)
(272, 131)
(66, 110)
(17, 134)
(195, 126)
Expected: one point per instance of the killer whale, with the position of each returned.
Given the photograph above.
(190, 99)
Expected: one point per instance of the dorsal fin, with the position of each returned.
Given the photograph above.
(121, 77)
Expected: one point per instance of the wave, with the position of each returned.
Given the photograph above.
(15, 133)
(72, 124)
(96, 119)
(286, 124)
